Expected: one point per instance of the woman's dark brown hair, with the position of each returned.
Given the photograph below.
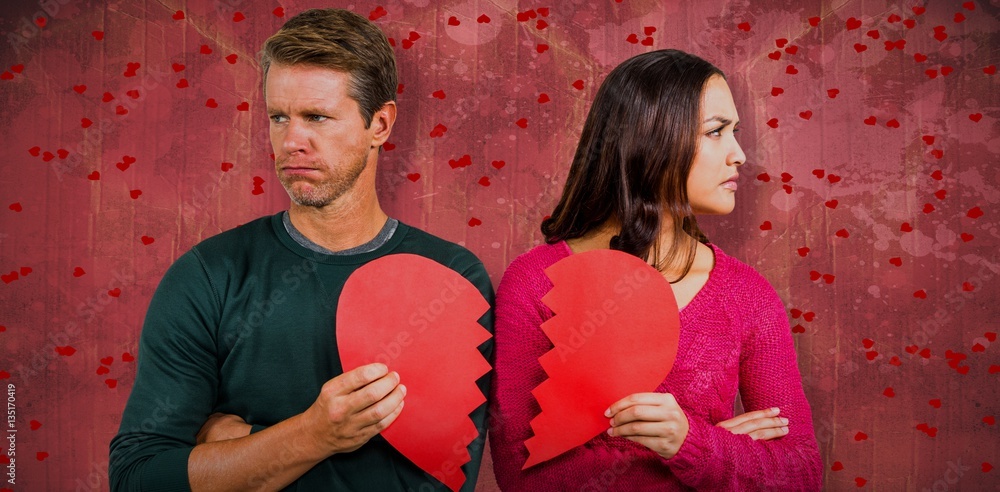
(634, 156)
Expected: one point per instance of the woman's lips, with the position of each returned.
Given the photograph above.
(731, 183)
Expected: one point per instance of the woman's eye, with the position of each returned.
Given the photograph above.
(715, 133)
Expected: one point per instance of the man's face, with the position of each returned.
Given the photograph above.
(321, 145)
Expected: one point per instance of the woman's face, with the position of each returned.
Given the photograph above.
(711, 184)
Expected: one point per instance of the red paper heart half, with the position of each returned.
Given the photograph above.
(420, 319)
(614, 332)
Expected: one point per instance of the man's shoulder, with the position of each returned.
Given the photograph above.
(448, 253)
(239, 239)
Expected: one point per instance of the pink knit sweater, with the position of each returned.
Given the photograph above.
(734, 337)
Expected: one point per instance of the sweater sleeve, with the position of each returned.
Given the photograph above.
(175, 386)
(711, 457)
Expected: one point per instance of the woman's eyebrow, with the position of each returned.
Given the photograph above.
(720, 119)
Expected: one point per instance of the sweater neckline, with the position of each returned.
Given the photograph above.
(351, 259)
(695, 306)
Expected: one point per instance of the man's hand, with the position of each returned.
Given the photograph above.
(222, 426)
(760, 424)
(353, 407)
(654, 420)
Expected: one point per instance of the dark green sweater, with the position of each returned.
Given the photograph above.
(244, 324)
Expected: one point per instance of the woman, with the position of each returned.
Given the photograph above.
(657, 149)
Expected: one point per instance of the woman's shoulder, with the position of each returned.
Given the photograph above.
(527, 271)
(741, 280)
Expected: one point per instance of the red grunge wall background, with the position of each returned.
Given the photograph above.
(133, 130)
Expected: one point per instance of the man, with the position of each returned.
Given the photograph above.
(241, 331)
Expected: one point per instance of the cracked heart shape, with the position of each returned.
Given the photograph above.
(614, 333)
(420, 319)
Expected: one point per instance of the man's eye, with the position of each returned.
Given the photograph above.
(278, 118)
(317, 117)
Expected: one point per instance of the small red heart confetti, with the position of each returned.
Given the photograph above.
(498, 164)
(231, 58)
(791, 50)
(906, 227)
(35, 425)
(806, 114)
(893, 123)
(940, 194)
(978, 348)
(16, 206)
(182, 83)
(871, 355)
(874, 34)
(919, 57)
(578, 85)
(6, 76)
(814, 21)
(114, 293)
(25, 271)
(541, 25)
(35, 151)
(937, 153)
(41, 21)
(837, 466)
(648, 30)
(920, 294)
(773, 122)
(894, 18)
(895, 361)
(860, 436)
(543, 98)
(112, 383)
(135, 194)
(542, 48)
(127, 357)
(986, 467)
(453, 21)
(931, 73)
(764, 177)
(238, 17)
(798, 329)
(868, 343)
(853, 24)
(832, 178)
(131, 68)
(860, 481)
(41, 455)
(464, 161)
(378, 13)
(98, 35)
(648, 41)
(438, 94)
(974, 213)
(870, 121)
(107, 97)
(179, 15)
(925, 353)
(774, 55)
(832, 93)
(413, 177)
(279, 12)
(226, 166)
(843, 232)
(803, 251)
(205, 50)
(919, 10)
(940, 35)
(523, 123)
(438, 131)
(990, 70)
(120, 110)
(146, 240)
(177, 67)
(781, 42)
(65, 351)
(989, 420)
(936, 403)
(766, 226)
(101, 371)
(48, 156)
(388, 146)
(776, 91)
(897, 261)
(473, 222)
(991, 336)
(969, 5)
(483, 19)
(10, 277)
(945, 70)
(959, 17)
(80, 89)
(743, 26)
(814, 275)
(211, 103)
(243, 106)
(78, 272)
(928, 208)
(829, 278)
(976, 117)
(966, 237)
(791, 70)
(993, 370)
(484, 181)
(929, 140)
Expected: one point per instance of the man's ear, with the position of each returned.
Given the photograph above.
(382, 122)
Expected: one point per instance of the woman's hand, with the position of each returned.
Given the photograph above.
(654, 420)
(221, 426)
(760, 424)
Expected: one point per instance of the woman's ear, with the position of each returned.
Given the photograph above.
(382, 122)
